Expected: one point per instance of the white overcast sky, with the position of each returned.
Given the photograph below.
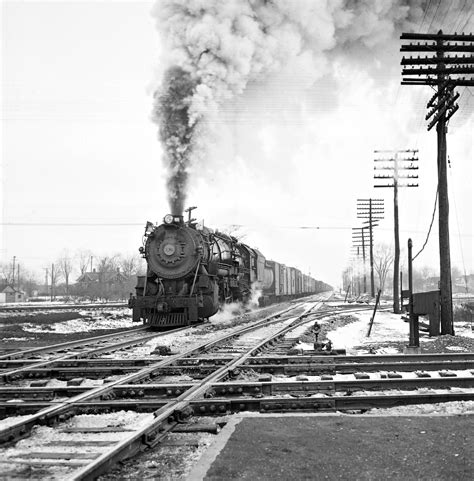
(78, 145)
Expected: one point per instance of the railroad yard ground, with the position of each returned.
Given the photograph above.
(429, 441)
(23, 330)
(419, 442)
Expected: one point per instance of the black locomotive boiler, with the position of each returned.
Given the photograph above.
(192, 270)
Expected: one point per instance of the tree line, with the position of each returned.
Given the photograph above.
(79, 275)
(424, 277)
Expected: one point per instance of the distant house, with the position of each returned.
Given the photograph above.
(459, 284)
(464, 283)
(11, 294)
(101, 284)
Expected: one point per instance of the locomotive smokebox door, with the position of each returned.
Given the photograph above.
(173, 251)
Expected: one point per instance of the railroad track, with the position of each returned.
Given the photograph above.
(237, 371)
(64, 307)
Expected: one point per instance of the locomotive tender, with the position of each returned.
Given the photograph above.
(192, 270)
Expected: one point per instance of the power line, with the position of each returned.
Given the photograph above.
(424, 16)
(431, 225)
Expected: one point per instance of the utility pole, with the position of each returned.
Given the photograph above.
(52, 281)
(360, 240)
(46, 272)
(13, 276)
(443, 72)
(371, 209)
(394, 161)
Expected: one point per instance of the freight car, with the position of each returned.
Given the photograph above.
(192, 270)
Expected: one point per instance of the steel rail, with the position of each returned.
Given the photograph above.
(68, 344)
(95, 372)
(64, 307)
(127, 395)
(281, 401)
(16, 373)
(311, 357)
(233, 388)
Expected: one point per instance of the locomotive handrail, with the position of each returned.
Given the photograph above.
(195, 276)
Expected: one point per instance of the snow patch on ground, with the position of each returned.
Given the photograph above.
(386, 327)
(447, 408)
(80, 325)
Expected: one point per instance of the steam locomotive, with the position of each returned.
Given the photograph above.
(192, 270)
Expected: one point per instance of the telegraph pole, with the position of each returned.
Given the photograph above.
(13, 277)
(371, 209)
(46, 275)
(443, 72)
(360, 239)
(52, 281)
(395, 164)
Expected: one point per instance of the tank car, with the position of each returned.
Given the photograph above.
(192, 270)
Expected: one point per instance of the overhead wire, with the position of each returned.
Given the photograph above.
(425, 13)
(431, 224)
(453, 26)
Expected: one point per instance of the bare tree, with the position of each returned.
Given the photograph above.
(107, 263)
(6, 273)
(84, 260)
(129, 264)
(383, 260)
(55, 274)
(105, 266)
(29, 282)
(65, 266)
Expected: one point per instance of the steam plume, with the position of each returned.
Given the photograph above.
(218, 47)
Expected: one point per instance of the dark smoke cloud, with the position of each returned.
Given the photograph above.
(171, 112)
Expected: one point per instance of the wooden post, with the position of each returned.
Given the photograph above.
(373, 315)
(372, 284)
(347, 292)
(401, 291)
(414, 340)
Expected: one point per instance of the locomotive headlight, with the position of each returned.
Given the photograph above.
(168, 219)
